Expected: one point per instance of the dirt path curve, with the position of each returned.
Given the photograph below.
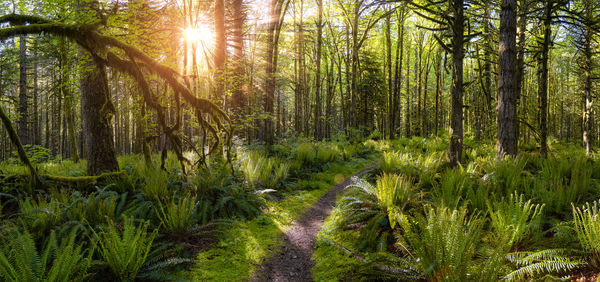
(293, 262)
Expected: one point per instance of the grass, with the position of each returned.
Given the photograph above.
(249, 243)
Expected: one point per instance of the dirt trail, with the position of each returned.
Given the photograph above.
(293, 262)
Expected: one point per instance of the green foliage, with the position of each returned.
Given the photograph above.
(587, 225)
(231, 201)
(443, 243)
(36, 154)
(177, 215)
(394, 193)
(546, 262)
(564, 181)
(379, 207)
(452, 188)
(99, 207)
(513, 219)
(41, 215)
(305, 153)
(156, 183)
(20, 260)
(125, 251)
(506, 175)
(328, 153)
(261, 171)
(395, 162)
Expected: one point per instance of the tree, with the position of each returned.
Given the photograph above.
(277, 10)
(507, 95)
(451, 19)
(23, 99)
(586, 26)
(220, 47)
(318, 106)
(96, 113)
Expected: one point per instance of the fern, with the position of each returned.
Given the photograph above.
(378, 207)
(536, 264)
(41, 215)
(20, 260)
(177, 216)
(452, 188)
(125, 251)
(156, 183)
(442, 243)
(305, 153)
(230, 201)
(513, 219)
(587, 225)
(97, 208)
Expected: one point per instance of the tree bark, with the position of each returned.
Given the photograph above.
(239, 19)
(96, 110)
(318, 110)
(68, 96)
(220, 48)
(23, 101)
(543, 77)
(398, 74)
(507, 83)
(456, 121)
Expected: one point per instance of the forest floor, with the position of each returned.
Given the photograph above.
(294, 261)
(247, 247)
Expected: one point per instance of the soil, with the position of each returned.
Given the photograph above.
(293, 262)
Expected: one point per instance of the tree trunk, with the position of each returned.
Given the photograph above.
(543, 77)
(239, 19)
(23, 101)
(519, 76)
(587, 90)
(407, 118)
(36, 137)
(318, 111)
(220, 49)
(96, 111)
(398, 74)
(68, 96)
(456, 119)
(507, 83)
(388, 45)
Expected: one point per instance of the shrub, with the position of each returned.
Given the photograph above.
(328, 153)
(380, 207)
(348, 151)
(513, 219)
(126, 251)
(262, 171)
(564, 182)
(442, 244)
(394, 192)
(176, 216)
(156, 185)
(452, 188)
(20, 260)
(230, 201)
(305, 153)
(539, 264)
(587, 225)
(97, 208)
(41, 215)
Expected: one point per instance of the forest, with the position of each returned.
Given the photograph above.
(299, 140)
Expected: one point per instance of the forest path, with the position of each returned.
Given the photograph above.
(294, 261)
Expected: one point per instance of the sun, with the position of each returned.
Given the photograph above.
(199, 34)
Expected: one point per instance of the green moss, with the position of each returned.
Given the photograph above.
(249, 243)
(331, 263)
